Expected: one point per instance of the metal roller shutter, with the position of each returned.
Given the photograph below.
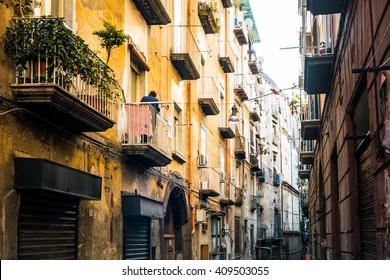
(47, 226)
(137, 238)
(366, 206)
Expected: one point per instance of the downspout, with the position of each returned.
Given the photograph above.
(281, 174)
(227, 143)
(189, 133)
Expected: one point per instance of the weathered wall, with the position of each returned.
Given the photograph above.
(363, 42)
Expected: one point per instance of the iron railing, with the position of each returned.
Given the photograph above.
(144, 125)
(43, 72)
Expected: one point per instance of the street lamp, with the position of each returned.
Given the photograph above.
(233, 119)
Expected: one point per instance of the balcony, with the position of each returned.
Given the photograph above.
(225, 198)
(275, 111)
(145, 138)
(239, 147)
(185, 56)
(254, 66)
(209, 93)
(209, 182)
(227, 3)
(318, 73)
(307, 157)
(208, 17)
(307, 152)
(255, 115)
(304, 171)
(320, 7)
(226, 132)
(153, 11)
(241, 87)
(75, 99)
(261, 175)
(310, 128)
(255, 164)
(241, 34)
(241, 92)
(253, 203)
(239, 197)
(226, 58)
(310, 118)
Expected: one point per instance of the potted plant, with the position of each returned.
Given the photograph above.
(29, 39)
(206, 15)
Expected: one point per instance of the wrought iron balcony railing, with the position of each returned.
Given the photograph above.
(148, 135)
(185, 55)
(61, 78)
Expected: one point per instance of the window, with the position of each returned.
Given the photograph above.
(203, 139)
(178, 125)
(215, 234)
(358, 112)
(55, 8)
(237, 236)
(178, 29)
(135, 95)
(252, 142)
(222, 172)
(360, 119)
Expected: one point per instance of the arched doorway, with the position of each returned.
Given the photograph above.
(177, 243)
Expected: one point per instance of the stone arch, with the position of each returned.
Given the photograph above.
(176, 218)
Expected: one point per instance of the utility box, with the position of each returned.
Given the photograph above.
(201, 216)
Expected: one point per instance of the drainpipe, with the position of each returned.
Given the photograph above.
(189, 133)
(227, 143)
(189, 141)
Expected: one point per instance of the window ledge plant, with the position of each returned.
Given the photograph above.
(210, 10)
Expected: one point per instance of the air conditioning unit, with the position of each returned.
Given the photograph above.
(222, 176)
(203, 160)
(201, 216)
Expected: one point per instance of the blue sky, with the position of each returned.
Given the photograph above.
(278, 24)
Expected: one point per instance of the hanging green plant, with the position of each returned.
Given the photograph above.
(294, 104)
(29, 39)
(207, 8)
(110, 38)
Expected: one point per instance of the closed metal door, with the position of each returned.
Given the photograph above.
(366, 206)
(47, 226)
(137, 238)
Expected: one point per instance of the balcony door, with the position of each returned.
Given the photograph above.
(178, 21)
(55, 8)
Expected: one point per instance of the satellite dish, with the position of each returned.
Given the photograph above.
(249, 23)
(260, 194)
(260, 59)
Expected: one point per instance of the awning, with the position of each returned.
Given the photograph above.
(41, 174)
(136, 205)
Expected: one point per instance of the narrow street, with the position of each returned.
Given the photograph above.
(195, 130)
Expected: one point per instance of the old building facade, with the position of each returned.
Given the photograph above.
(87, 176)
(347, 68)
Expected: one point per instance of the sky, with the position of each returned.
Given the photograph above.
(278, 24)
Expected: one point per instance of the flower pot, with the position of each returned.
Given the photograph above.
(42, 70)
